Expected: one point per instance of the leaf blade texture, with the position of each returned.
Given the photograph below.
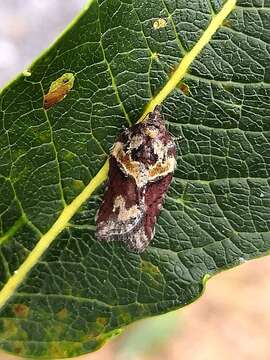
(75, 292)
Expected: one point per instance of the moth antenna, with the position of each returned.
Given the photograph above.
(157, 108)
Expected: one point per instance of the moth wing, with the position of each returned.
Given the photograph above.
(139, 239)
(122, 209)
(154, 197)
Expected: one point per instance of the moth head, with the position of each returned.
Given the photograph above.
(155, 118)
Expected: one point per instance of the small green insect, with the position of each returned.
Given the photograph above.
(58, 90)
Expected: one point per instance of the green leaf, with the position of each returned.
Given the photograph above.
(63, 292)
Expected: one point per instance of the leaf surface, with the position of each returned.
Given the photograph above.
(63, 293)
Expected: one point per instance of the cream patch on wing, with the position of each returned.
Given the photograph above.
(129, 166)
(135, 142)
(152, 132)
(124, 213)
(138, 240)
(162, 168)
(142, 174)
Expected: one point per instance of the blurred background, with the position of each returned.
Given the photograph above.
(232, 319)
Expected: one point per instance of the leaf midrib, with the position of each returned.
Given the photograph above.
(70, 210)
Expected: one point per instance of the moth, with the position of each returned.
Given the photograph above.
(141, 167)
